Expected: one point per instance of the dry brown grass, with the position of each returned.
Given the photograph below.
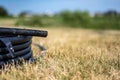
(73, 54)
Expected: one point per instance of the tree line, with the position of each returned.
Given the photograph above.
(76, 19)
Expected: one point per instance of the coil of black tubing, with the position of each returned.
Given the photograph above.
(22, 49)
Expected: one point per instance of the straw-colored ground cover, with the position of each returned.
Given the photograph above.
(73, 54)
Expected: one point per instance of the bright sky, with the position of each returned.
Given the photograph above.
(41, 6)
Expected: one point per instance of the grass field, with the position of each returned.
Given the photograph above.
(73, 54)
(7, 22)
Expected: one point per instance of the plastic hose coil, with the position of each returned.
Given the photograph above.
(15, 45)
(13, 49)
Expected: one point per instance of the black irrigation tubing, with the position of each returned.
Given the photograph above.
(15, 45)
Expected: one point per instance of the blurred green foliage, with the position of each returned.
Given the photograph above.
(33, 21)
(3, 12)
(76, 19)
(106, 22)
